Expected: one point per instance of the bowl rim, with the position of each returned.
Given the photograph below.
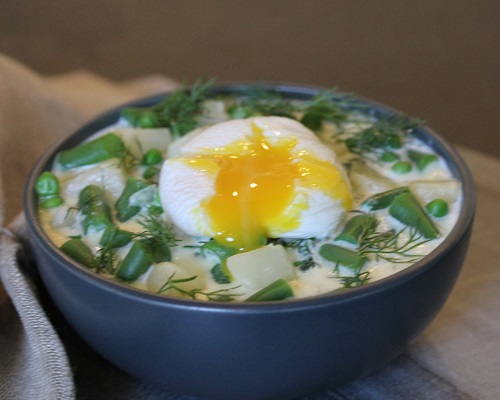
(452, 158)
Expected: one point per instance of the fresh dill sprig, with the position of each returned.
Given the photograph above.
(105, 258)
(158, 236)
(221, 295)
(387, 132)
(178, 112)
(358, 279)
(330, 105)
(258, 101)
(386, 245)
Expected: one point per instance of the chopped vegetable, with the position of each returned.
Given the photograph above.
(94, 208)
(135, 263)
(80, 252)
(97, 150)
(356, 227)
(421, 160)
(383, 200)
(278, 290)
(124, 210)
(402, 167)
(406, 209)
(47, 188)
(342, 256)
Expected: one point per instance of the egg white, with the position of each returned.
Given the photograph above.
(184, 186)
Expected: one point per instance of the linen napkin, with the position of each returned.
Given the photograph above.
(41, 357)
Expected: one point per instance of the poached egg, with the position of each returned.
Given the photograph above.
(243, 181)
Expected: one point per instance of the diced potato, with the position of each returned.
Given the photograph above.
(258, 268)
(160, 273)
(366, 181)
(138, 140)
(108, 175)
(427, 191)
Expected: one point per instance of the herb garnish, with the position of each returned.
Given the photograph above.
(386, 245)
(221, 295)
(330, 105)
(387, 132)
(178, 111)
(157, 236)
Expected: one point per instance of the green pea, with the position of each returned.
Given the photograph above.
(152, 157)
(421, 160)
(437, 208)
(47, 188)
(388, 157)
(402, 167)
(47, 184)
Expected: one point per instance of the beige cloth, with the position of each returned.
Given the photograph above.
(457, 358)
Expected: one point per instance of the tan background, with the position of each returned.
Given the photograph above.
(435, 59)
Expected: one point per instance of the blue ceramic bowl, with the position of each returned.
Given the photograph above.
(254, 351)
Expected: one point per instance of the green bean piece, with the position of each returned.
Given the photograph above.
(402, 167)
(384, 199)
(78, 251)
(114, 237)
(278, 290)
(406, 209)
(341, 255)
(135, 263)
(356, 227)
(421, 160)
(152, 157)
(437, 208)
(93, 206)
(88, 153)
(47, 188)
(124, 210)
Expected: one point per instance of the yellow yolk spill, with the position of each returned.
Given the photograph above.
(256, 184)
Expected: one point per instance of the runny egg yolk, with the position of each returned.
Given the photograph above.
(257, 182)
